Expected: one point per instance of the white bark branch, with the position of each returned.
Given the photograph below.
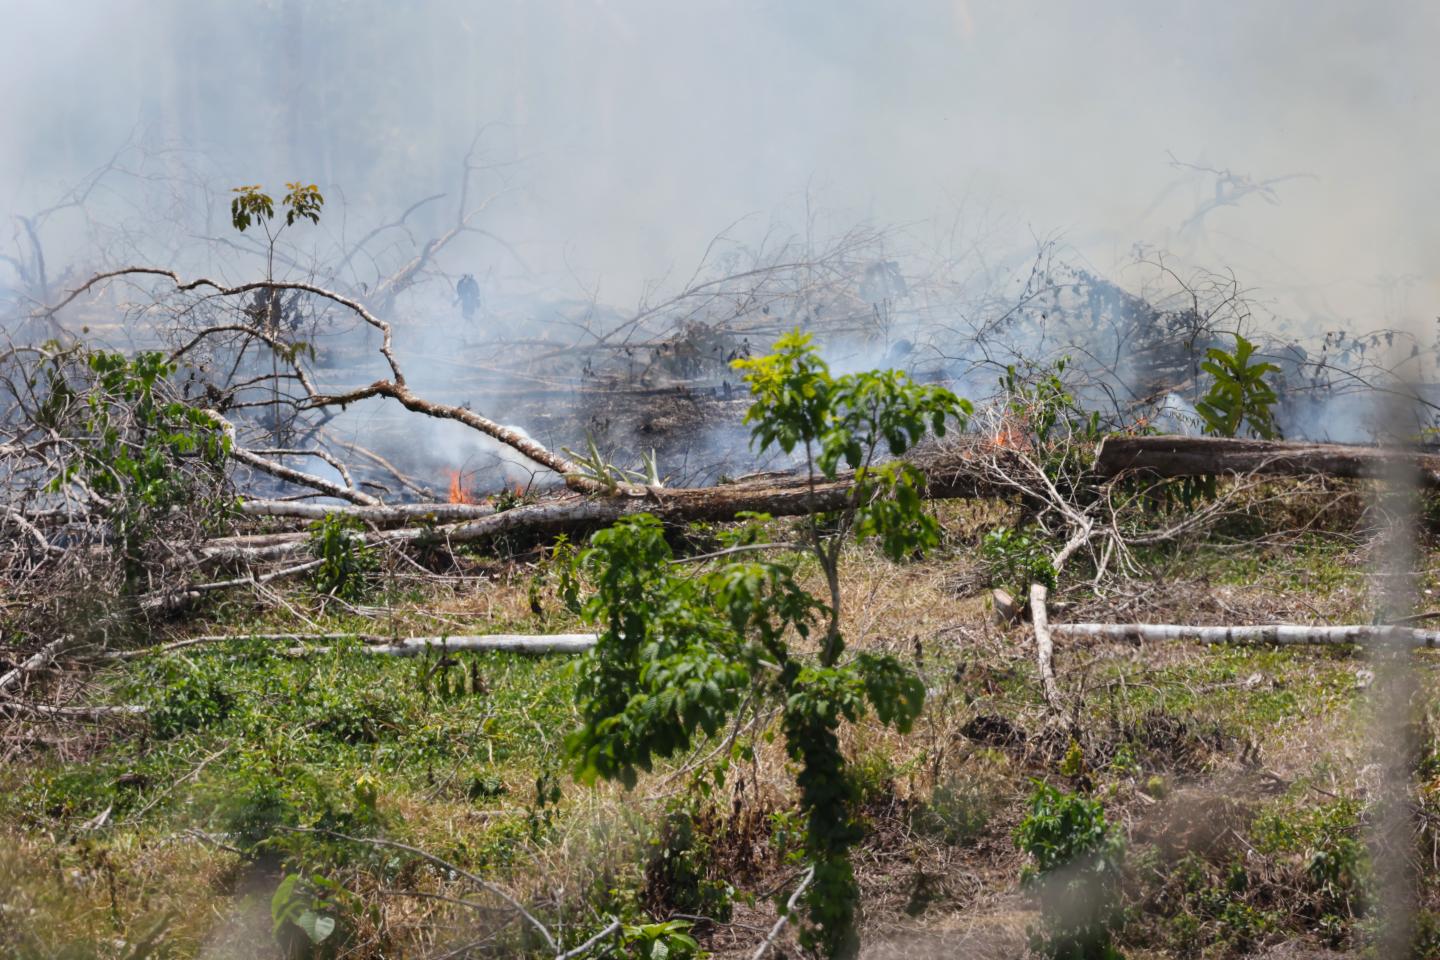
(503, 642)
(1275, 633)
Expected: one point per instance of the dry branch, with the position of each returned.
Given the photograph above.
(97, 712)
(394, 388)
(34, 662)
(301, 478)
(785, 915)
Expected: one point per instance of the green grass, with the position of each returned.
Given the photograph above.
(464, 758)
(419, 723)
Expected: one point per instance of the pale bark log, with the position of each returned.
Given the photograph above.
(34, 662)
(98, 712)
(499, 642)
(1044, 645)
(1275, 633)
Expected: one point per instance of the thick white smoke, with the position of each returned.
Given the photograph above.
(635, 130)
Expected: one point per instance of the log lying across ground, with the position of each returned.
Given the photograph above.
(960, 470)
(1263, 634)
(1212, 456)
(380, 515)
(951, 474)
(547, 643)
(1274, 633)
(501, 642)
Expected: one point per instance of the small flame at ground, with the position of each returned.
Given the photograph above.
(458, 493)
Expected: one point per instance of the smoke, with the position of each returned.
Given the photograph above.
(637, 130)
(610, 143)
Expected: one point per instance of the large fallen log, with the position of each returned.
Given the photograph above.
(1264, 634)
(379, 516)
(950, 475)
(955, 473)
(1218, 456)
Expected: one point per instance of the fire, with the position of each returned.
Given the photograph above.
(458, 493)
(1010, 435)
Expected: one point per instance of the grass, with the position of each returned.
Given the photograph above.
(1238, 775)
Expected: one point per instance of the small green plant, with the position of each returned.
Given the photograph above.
(1014, 559)
(594, 466)
(1047, 406)
(1076, 857)
(1239, 396)
(346, 563)
(561, 565)
(301, 917)
(252, 205)
(679, 654)
(667, 940)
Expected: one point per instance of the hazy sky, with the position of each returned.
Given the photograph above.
(632, 131)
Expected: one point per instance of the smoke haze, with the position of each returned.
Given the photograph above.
(628, 133)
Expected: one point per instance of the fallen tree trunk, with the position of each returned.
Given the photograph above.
(379, 516)
(951, 475)
(1044, 645)
(1273, 633)
(501, 642)
(1212, 456)
(74, 713)
(225, 637)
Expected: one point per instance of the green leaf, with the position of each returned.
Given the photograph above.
(316, 926)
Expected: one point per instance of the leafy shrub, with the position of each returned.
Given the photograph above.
(303, 916)
(667, 940)
(1076, 856)
(1014, 560)
(346, 563)
(191, 695)
(1239, 397)
(132, 439)
(679, 654)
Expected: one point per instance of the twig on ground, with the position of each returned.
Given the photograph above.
(784, 918)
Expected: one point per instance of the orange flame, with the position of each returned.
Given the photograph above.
(458, 493)
(1010, 435)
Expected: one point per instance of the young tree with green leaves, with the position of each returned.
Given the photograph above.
(1239, 395)
(683, 650)
(137, 446)
(250, 206)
